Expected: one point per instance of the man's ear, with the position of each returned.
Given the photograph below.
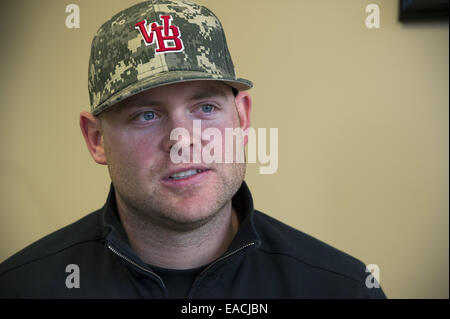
(91, 129)
(243, 106)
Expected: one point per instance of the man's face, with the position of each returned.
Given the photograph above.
(137, 144)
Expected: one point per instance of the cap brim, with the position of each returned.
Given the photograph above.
(166, 78)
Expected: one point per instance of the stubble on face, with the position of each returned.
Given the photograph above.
(187, 211)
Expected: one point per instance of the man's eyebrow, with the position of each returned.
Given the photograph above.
(141, 102)
(197, 95)
(208, 93)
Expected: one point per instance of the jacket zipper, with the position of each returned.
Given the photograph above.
(160, 279)
(220, 259)
(136, 265)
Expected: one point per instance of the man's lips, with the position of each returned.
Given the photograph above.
(185, 172)
(186, 178)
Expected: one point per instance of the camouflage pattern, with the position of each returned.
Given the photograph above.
(122, 64)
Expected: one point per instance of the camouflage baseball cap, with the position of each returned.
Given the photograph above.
(154, 43)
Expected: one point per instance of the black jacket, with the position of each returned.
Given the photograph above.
(266, 259)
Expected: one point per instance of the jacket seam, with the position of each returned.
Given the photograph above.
(359, 281)
(49, 255)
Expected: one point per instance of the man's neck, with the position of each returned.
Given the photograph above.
(163, 247)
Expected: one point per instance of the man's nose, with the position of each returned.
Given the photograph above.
(179, 129)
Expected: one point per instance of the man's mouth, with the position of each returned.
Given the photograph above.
(186, 174)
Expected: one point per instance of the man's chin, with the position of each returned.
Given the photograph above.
(186, 220)
(188, 214)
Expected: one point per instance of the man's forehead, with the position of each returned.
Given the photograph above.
(192, 90)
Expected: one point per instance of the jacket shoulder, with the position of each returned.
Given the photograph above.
(84, 230)
(279, 238)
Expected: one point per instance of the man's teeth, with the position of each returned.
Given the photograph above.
(185, 173)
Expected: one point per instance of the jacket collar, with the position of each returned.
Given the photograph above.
(242, 201)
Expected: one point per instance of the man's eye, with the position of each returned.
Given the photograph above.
(207, 108)
(147, 116)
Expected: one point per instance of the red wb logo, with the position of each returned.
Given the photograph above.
(167, 36)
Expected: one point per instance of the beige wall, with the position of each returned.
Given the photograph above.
(362, 118)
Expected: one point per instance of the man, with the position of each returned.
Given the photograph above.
(169, 229)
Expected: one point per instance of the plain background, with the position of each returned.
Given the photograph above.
(362, 116)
